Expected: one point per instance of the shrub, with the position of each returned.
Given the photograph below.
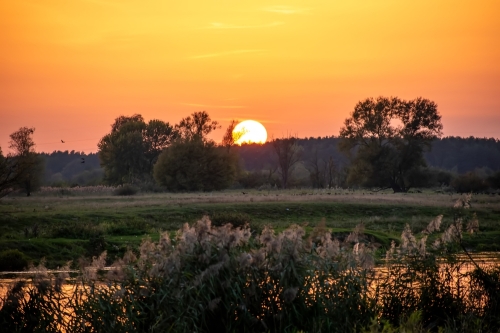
(252, 179)
(196, 165)
(126, 189)
(75, 230)
(236, 219)
(494, 181)
(470, 182)
(13, 260)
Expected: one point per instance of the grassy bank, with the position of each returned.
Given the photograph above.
(62, 226)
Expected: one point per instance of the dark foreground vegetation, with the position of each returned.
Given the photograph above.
(206, 278)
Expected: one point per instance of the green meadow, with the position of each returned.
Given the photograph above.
(70, 224)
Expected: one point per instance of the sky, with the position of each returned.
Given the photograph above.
(69, 68)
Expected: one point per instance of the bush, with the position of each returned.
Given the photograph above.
(494, 181)
(196, 165)
(126, 189)
(252, 179)
(13, 260)
(470, 182)
(236, 219)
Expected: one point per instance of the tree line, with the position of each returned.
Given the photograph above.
(384, 143)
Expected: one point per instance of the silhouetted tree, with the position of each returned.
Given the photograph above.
(230, 137)
(288, 153)
(196, 165)
(386, 139)
(194, 162)
(157, 136)
(317, 171)
(23, 168)
(129, 152)
(330, 172)
(196, 126)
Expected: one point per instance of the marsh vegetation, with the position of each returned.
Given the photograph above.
(344, 271)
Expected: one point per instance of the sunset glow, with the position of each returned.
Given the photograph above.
(69, 68)
(249, 131)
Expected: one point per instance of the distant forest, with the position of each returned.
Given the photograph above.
(455, 155)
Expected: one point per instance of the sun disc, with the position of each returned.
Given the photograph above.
(249, 131)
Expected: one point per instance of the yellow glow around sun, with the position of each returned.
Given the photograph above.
(249, 131)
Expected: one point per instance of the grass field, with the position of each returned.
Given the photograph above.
(70, 224)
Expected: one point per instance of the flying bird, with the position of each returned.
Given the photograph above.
(62, 141)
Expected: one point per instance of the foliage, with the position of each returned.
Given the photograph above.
(209, 279)
(230, 137)
(288, 154)
(196, 165)
(13, 260)
(255, 179)
(462, 155)
(469, 182)
(65, 168)
(322, 172)
(22, 169)
(384, 152)
(494, 180)
(196, 126)
(129, 152)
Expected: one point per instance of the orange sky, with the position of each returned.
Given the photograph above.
(68, 68)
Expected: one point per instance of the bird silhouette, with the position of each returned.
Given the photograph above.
(62, 141)
(244, 192)
(83, 160)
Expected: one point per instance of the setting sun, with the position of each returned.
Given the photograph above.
(249, 131)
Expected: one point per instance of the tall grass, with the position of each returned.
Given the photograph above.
(222, 279)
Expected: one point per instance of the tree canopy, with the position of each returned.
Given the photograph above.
(23, 168)
(196, 165)
(196, 126)
(386, 139)
(194, 162)
(129, 152)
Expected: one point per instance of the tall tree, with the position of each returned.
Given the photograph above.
(23, 168)
(157, 136)
(194, 162)
(196, 126)
(129, 152)
(386, 139)
(288, 154)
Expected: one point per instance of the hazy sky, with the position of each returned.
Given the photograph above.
(68, 68)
